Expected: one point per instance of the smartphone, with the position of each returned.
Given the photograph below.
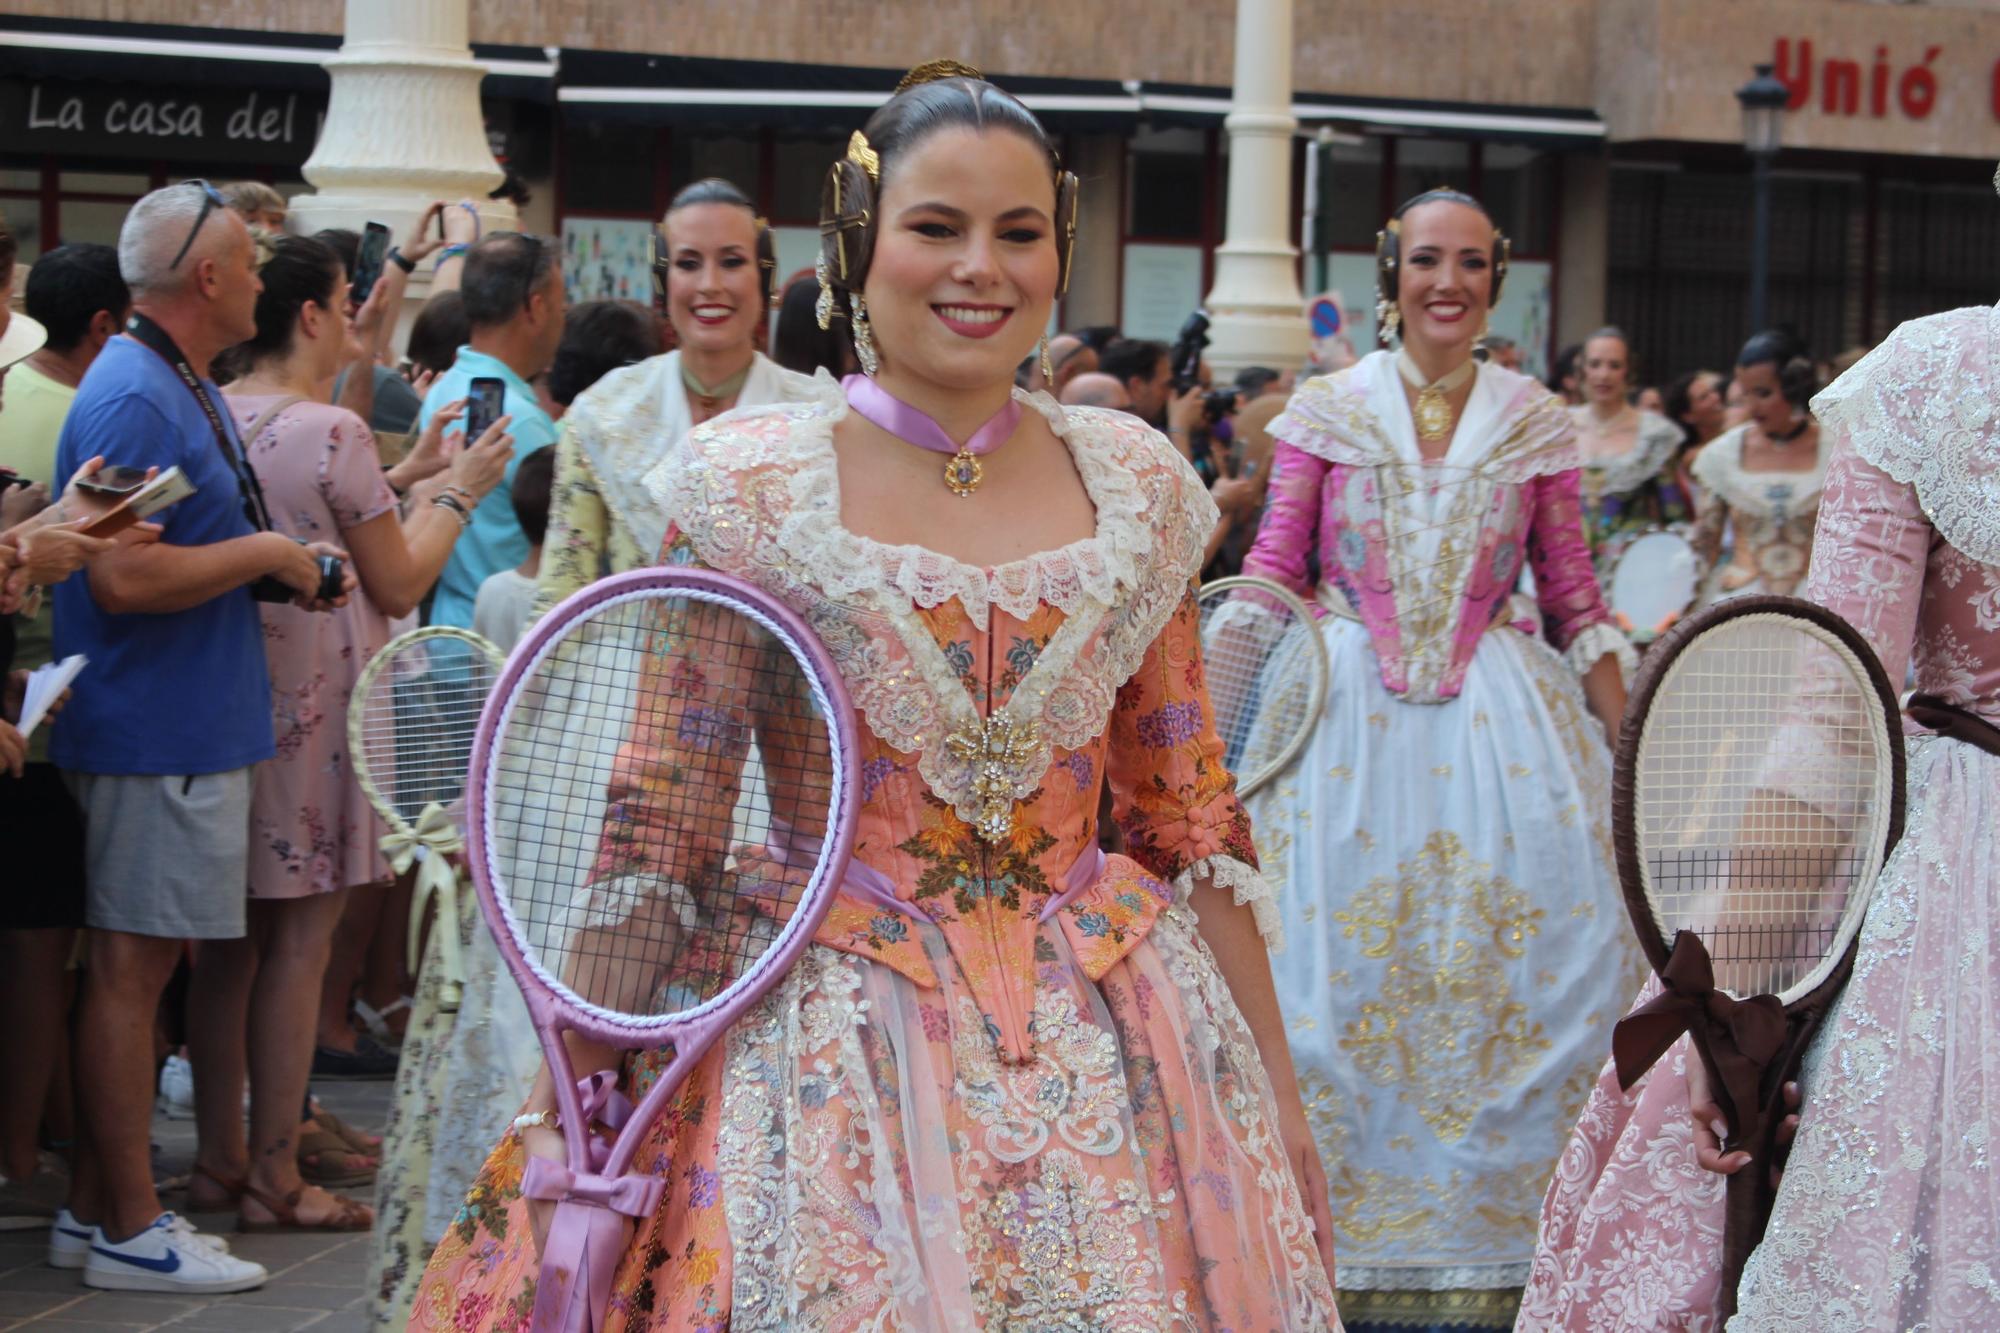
(114, 480)
(142, 502)
(484, 405)
(368, 260)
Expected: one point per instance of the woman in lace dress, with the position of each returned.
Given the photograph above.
(1762, 480)
(1048, 1088)
(1889, 1215)
(1629, 483)
(1457, 949)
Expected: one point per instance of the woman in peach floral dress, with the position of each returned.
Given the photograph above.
(1016, 1083)
(1889, 1213)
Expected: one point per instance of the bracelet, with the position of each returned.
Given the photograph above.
(478, 227)
(448, 502)
(401, 260)
(455, 250)
(456, 489)
(539, 1120)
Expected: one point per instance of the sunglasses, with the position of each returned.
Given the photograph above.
(211, 200)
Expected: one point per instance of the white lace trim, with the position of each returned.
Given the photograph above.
(1781, 495)
(1329, 417)
(1247, 886)
(758, 494)
(1597, 641)
(1920, 407)
(1622, 474)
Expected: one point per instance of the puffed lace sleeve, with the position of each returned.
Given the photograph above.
(1173, 799)
(1870, 549)
(1573, 610)
(1285, 537)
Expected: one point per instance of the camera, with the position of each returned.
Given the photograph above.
(1188, 347)
(1218, 404)
(332, 574)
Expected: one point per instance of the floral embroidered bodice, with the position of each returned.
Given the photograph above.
(1628, 493)
(1909, 529)
(1771, 514)
(1427, 554)
(993, 704)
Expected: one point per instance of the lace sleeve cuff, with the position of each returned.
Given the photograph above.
(1599, 640)
(1247, 886)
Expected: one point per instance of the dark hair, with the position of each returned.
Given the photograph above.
(848, 215)
(69, 285)
(300, 270)
(502, 271)
(799, 343)
(1564, 366)
(598, 337)
(1784, 352)
(1679, 401)
(1443, 194)
(1096, 337)
(344, 242)
(440, 330)
(1253, 380)
(1128, 359)
(534, 479)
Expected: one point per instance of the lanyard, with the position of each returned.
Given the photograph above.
(151, 336)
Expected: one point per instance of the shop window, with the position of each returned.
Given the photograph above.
(1937, 248)
(1351, 191)
(608, 169)
(798, 174)
(735, 160)
(1518, 186)
(1169, 179)
(1426, 164)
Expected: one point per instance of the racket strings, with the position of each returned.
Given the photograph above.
(1257, 657)
(1763, 772)
(418, 720)
(661, 790)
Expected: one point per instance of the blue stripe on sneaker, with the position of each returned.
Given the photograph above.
(84, 1234)
(169, 1263)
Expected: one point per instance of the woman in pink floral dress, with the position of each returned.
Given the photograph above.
(1047, 1089)
(1889, 1214)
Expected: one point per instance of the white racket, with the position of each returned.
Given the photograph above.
(1267, 674)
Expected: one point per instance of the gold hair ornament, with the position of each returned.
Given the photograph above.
(865, 157)
(931, 71)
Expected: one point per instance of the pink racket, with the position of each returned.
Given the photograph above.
(662, 811)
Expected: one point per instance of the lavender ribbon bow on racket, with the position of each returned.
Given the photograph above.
(1742, 1036)
(587, 1235)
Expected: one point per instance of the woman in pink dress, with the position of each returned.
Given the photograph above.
(1047, 1088)
(1889, 1213)
(253, 1002)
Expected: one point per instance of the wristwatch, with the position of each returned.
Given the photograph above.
(402, 261)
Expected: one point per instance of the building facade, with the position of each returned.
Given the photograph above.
(1605, 136)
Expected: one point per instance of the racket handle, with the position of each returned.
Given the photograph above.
(1747, 1209)
(579, 1263)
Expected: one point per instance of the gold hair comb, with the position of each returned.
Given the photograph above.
(933, 70)
(861, 155)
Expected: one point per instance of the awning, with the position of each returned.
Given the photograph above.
(686, 90)
(151, 53)
(1188, 104)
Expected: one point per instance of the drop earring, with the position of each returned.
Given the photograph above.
(1390, 318)
(864, 336)
(1048, 371)
(823, 308)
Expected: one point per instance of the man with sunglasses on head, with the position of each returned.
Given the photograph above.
(512, 289)
(168, 718)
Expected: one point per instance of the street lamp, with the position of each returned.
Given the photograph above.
(1763, 100)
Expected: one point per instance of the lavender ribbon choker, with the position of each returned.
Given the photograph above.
(911, 425)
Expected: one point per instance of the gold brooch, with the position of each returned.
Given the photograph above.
(991, 745)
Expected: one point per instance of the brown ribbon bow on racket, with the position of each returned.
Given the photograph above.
(1742, 1036)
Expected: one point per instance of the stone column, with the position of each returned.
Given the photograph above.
(403, 127)
(1258, 314)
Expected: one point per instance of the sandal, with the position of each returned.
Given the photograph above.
(368, 1145)
(367, 1060)
(232, 1188)
(328, 1160)
(375, 1022)
(347, 1215)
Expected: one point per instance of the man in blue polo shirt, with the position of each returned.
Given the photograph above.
(513, 293)
(167, 719)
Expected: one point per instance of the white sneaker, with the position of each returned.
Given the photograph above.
(176, 1099)
(69, 1241)
(169, 1255)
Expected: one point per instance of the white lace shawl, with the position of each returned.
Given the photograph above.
(1622, 474)
(757, 493)
(1921, 408)
(1720, 469)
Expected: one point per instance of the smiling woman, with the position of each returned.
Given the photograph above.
(1015, 1082)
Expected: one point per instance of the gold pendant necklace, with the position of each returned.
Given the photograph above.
(963, 474)
(1432, 413)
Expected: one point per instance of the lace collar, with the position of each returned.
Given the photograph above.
(1921, 408)
(1719, 467)
(1622, 474)
(1091, 569)
(1340, 418)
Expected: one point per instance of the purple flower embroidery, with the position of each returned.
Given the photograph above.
(1080, 770)
(704, 728)
(703, 1186)
(1172, 724)
(874, 773)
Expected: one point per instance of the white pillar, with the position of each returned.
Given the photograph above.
(403, 127)
(1257, 312)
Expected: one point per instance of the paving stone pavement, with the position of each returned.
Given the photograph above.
(317, 1282)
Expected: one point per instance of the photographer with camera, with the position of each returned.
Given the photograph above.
(254, 1001)
(1160, 396)
(170, 715)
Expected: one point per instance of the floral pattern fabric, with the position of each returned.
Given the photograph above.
(952, 1114)
(1886, 1218)
(311, 829)
(1770, 513)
